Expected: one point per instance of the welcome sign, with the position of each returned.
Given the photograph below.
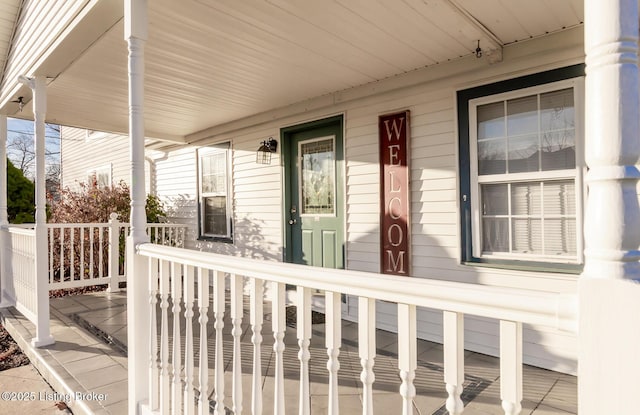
(393, 130)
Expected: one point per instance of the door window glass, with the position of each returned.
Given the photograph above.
(317, 178)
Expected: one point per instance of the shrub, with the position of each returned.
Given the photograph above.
(20, 196)
(92, 204)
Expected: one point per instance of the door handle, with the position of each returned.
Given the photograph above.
(292, 221)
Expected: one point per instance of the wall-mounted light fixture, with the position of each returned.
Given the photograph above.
(263, 155)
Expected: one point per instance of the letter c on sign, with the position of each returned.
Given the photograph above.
(397, 201)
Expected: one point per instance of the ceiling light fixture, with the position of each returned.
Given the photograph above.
(20, 102)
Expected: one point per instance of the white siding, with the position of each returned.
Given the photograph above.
(256, 191)
(80, 155)
(177, 188)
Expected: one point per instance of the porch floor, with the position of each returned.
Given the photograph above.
(82, 361)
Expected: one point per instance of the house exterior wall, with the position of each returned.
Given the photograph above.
(82, 152)
(430, 95)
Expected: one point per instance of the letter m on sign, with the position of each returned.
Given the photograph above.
(395, 241)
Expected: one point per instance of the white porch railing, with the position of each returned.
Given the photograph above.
(25, 285)
(73, 255)
(179, 280)
(22, 264)
(85, 254)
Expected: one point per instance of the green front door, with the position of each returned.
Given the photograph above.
(314, 214)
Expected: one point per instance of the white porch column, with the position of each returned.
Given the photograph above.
(135, 33)
(43, 337)
(43, 334)
(612, 221)
(5, 301)
(609, 338)
(4, 214)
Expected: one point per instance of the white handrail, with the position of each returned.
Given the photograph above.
(526, 306)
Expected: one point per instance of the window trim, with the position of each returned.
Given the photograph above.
(93, 135)
(572, 76)
(201, 152)
(93, 173)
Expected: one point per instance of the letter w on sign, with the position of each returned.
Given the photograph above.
(394, 134)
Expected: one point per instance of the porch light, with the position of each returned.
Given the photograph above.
(20, 102)
(263, 155)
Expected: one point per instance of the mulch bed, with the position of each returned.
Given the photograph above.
(76, 291)
(10, 354)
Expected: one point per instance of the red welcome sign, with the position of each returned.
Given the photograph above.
(393, 130)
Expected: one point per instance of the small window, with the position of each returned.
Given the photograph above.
(214, 189)
(100, 177)
(522, 184)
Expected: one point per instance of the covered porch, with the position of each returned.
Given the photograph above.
(217, 72)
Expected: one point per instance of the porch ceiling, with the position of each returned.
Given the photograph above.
(211, 62)
(8, 15)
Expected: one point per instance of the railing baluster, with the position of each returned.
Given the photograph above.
(236, 332)
(367, 350)
(154, 363)
(203, 369)
(82, 232)
(189, 286)
(101, 252)
(303, 325)
(176, 364)
(511, 366)
(256, 318)
(278, 322)
(50, 256)
(92, 231)
(218, 313)
(72, 256)
(407, 355)
(453, 360)
(333, 342)
(165, 380)
(61, 254)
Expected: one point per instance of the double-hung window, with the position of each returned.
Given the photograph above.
(214, 190)
(522, 200)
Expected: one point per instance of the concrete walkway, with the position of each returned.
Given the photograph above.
(24, 391)
(81, 360)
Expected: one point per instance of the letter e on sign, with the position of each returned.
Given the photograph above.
(393, 130)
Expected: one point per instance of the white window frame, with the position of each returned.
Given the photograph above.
(91, 135)
(201, 152)
(95, 173)
(573, 174)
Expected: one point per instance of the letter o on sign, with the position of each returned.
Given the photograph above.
(397, 230)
